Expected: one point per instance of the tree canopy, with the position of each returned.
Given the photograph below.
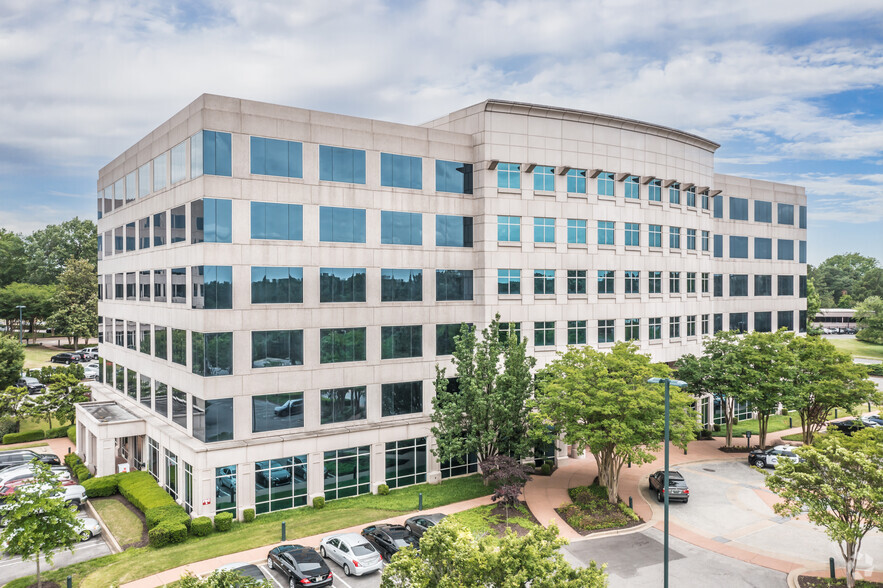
(849, 274)
(12, 252)
(76, 301)
(37, 300)
(12, 360)
(48, 250)
(869, 318)
(768, 367)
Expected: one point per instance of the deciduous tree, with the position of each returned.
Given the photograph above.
(508, 476)
(869, 318)
(840, 482)
(36, 299)
(768, 371)
(12, 359)
(49, 250)
(602, 401)
(12, 252)
(221, 579)
(76, 301)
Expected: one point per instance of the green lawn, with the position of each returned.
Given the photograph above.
(28, 446)
(31, 424)
(302, 522)
(858, 348)
(122, 522)
(36, 356)
(479, 519)
(776, 423)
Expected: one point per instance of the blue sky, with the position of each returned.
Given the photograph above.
(792, 90)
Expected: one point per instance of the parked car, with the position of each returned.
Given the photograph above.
(770, 457)
(89, 528)
(89, 353)
(677, 485)
(66, 358)
(847, 427)
(18, 457)
(277, 477)
(355, 554)
(13, 486)
(389, 539)
(32, 384)
(295, 406)
(246, 569)
(419, 524)
(90, 371)
(875, 419)
(302, 565)
(26, 471)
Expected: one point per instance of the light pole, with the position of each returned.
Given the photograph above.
(19, 322)
(666, 490)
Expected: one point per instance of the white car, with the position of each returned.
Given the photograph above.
(88, 528)
(26, 471)
(89, 352)
(90, 371)
(771, 457)
(352, 552)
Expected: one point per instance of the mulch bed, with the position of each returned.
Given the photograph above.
(144, 537)
(738, 449)
(500, 528)
(815, 582)
(592, 508)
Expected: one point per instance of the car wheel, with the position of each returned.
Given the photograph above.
(346, 569)
(659, 496)
(322, 552)
(86, 535)
(67, 362)
(686, 500)
(759, 463)
(291, 583)
(270, 563)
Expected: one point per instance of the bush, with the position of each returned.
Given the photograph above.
(319, 502)
(716, 428)
(101, 486)
(705, 435)
(24, 437)
(383, 489)
(876, 369)
(546, 469)
(142, 491)
(248, 515)
(72, 434)
(167, 533)
(164, 514)
(82, 472)
(201, 526)
(224, 521)
(56, 433)
(8, 425)
(72, 459)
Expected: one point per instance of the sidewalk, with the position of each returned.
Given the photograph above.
(259, 554)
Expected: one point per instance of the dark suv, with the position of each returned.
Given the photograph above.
(66, 358)
(847, 427)
(678, 489)
(389, 539)
(32, 384)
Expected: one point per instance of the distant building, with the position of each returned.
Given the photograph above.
(835, 318)
(278, 284)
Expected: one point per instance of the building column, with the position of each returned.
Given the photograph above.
(245, 497)
(433, 466)
(315, 477)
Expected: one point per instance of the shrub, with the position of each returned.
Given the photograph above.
(224, 521)
(383, 489)
(82, 472)
(24, 437)
(142, 491)
(167, 533)
(169, 513)
(248, 515)
(546, 469)
(716, 428)
(72, 459)
(101, 486)
(319, 502)
(72, 434)
(8, 425)
(735, 421)
(56, 433)
(876, 369)
(201, 526)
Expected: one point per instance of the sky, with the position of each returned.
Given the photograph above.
(792, 90)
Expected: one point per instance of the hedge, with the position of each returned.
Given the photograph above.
(82, 472)
(170, 513)
(56, 433)
(8, 425)
(24, 437)
(167, 533)
(319, 502)
(102, 486)
(72, 434)
(248, 515)
(72, 459)
(201, 526)
(224, 521)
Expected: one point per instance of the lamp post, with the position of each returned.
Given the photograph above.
(20, 307)
(678, 383)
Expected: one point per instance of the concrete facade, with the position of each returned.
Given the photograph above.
(485, 135)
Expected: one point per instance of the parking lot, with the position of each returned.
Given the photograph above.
(12, 568)
(340, 581)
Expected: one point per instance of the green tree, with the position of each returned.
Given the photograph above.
(768, 370)
(813, 303)
(602, 401)
(67, 392)
(842, 274)
(822, 379)
(38, 520)
(846, 301)
(871, 284)
(869, 318)
(12, 360)
(11, 402)
(487, 415)
(12, 252)
(48, 250)
(221, 579)
(76, 301)
(450, 557)
(840, 482)
(36, 299)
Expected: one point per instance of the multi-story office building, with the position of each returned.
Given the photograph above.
(278, 284)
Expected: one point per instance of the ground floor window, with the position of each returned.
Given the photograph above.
(153, 458)
(459, 466)
(702, 408)
(347, 472)
(188, 487)
(741, 411)
(280, 483)
(406, 462)
(171, 474)
(225, 489)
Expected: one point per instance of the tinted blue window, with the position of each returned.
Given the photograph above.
(576, 231)
(738, 285)
(605, 233)
(802, 217)
(279, 348)
(674, 193)
(213, 421)
(654, 191)
(544, 178)
(718, 245)
(337, 164)
(401, 228)
(605, 184)
(401, 171)
(453, 284)
(654, 236)
(451, 176)
(763, 248)
(786, 249)
(271, 220)
(718, 206)
(212, 286)
(509, 228)
(453, 231)
(738, 208)
(786, 214)
(216, 153)
(632, 187)
(576, 181)
(801, 251)
(738, 247)
(274, 157)
(343, 225)
(763, 211)
(404, 285)
(277, 285)
(212, 354)
(544, 230)
(509, 175)
(339, 284)
(212, 221)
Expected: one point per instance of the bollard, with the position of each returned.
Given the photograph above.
(835, 413)
(630, 462)
(283, 530)
(685, 451)
(420, 501)
(630, 503)
(831, 566)
(69, 449)
(790, 423)
(70, 582)
(869, 406)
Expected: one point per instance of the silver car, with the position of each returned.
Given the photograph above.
(352, 552)
(23, 472)
(88, 528)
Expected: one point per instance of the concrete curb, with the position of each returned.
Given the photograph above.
(105, 531)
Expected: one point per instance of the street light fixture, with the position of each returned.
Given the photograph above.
(19, 322)
(666, 490)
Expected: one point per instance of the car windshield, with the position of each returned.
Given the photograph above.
(364, 549)
(403, 541)
(309, 566)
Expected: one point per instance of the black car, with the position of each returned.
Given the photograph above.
(389, 539)
(247, 570)
(303, 565)
(847, 427)
(419, 524)
(678, 489)
(66, 358)
(32, 384)
(17, 457)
